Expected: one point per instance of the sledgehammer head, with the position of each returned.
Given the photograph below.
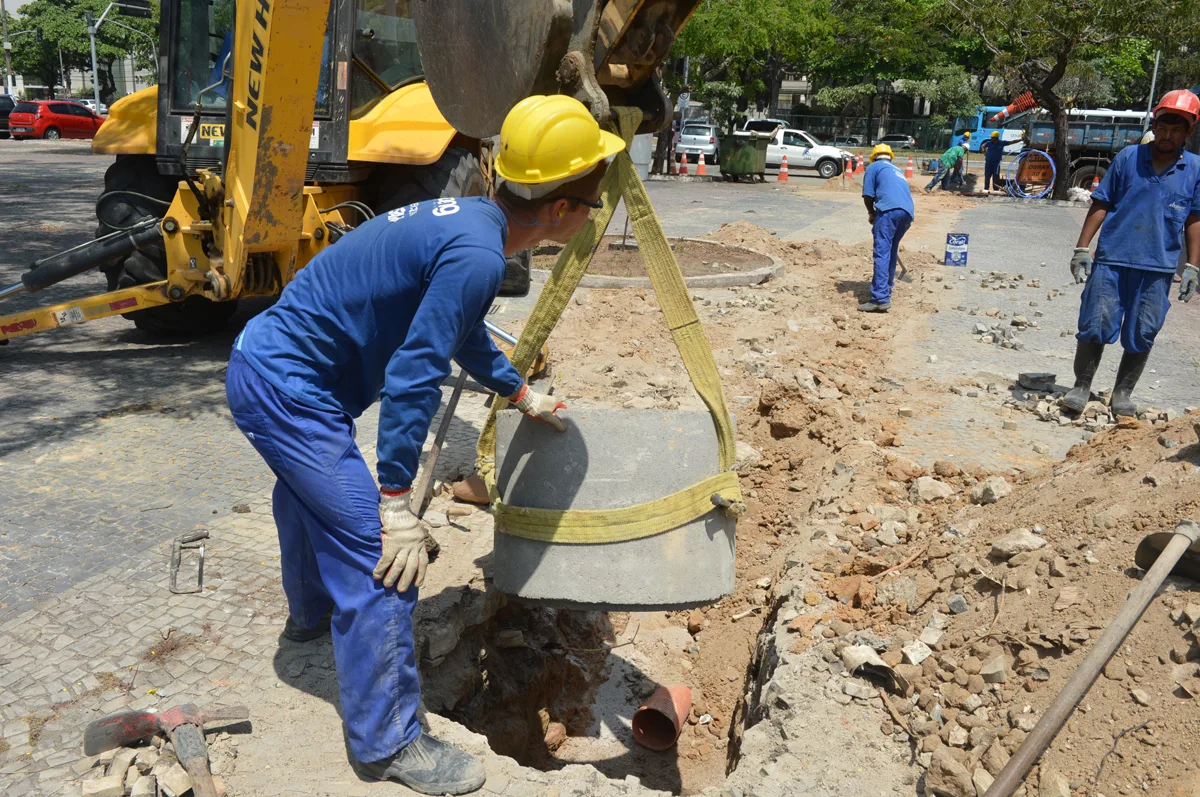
(131, 727)
(1152, 545)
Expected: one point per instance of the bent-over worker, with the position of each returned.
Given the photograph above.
(950, 158)
(890, 210)
(378, 317)
(1148, 199)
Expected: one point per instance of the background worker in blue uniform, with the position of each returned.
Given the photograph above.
(378, 317)
(890, 210)
(1147, 202)
(993, 154)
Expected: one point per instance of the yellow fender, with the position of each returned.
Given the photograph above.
(405, 127)
(131, 127)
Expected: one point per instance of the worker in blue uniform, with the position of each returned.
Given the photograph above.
(890, 210)
(993, 150)
(1147, 202)
(378, 317)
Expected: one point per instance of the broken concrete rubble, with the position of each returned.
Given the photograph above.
(990, 490)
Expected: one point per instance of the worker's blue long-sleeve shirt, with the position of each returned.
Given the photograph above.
(380, 315)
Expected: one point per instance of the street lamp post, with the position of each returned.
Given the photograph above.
(8, 73)
(93, 25)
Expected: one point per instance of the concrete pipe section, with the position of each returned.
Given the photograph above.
(609, 459)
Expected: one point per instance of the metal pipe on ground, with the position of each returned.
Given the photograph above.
(1162, 554)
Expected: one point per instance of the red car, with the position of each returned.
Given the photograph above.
(52, 119)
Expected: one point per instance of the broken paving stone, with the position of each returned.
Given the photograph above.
(946, 776)
(990, 490)
(108, 786)
(175, 781)
(957, 604)
(1015, 542)
(1191, 613)
(981, 780)
(1058, 566)
(995, 670)
(926, 489)
(858, 690)
(459, 510)
(1010, 426)
(1051, 783)
(916, 652)
(1038, 381)
(1041, 448)
(746, 457)
(143, 787)
(958, 736)
(932, 636)
(436, 520)
(1140, 696)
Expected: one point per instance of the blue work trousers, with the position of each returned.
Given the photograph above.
(991, 175)
(1131, 303)
(326, 508)
(941, 176)
(888, 229)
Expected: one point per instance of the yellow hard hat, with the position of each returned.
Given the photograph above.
(880, 149)
(552, 138)
(995, 134)
(967, 134)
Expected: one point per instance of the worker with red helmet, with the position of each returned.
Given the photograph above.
(1148, 201)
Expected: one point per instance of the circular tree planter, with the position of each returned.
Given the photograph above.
(751, 274)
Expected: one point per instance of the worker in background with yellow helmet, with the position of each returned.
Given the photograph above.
(993, 154)
(379, 317)
(888, 198)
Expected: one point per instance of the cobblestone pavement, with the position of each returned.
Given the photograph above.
(1033, 242)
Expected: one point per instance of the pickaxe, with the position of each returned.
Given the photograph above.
(184, 724)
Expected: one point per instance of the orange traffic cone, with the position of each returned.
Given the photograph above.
(908, 170)
(700, 170)
(683, 165)
(672, 169)
(858, 166)
(783, 174)
(1095, 181)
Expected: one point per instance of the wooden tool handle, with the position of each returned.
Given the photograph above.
(193, 755)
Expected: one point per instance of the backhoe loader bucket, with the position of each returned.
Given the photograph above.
(482, 57)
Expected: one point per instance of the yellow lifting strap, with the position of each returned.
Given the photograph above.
(591, 526)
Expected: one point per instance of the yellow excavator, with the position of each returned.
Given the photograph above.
(281, 124)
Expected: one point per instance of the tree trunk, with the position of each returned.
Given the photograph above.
(774, 84)
(1062, 152)
(108, 85)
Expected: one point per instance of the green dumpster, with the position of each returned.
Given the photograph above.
(744, 154)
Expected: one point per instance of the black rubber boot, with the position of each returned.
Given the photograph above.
(429, 766)
(297, 634)
(1087, 360)
(1128, 374)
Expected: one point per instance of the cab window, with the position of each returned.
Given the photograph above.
(385, 52)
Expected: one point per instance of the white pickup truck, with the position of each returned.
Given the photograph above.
(802, 150)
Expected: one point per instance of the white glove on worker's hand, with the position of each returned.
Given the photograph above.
(404, 557)
(540, 407)
(1081, 264)
(1189, 282)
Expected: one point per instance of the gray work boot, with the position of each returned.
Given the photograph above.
(874, 307)
(429, 766)
(1087, 360)
(296, 633)
(1128, 374)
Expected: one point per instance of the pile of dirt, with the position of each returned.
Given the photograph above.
(695, 258)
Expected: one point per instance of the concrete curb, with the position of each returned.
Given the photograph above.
(728, 280)
(1058, 203)
(680, 178)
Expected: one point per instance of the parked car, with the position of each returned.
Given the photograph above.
(899, 141)
(696, 138)
(764, 125)
(91, 106)
(803, 152)
(844, 141)
(52, 119)
(7, 103)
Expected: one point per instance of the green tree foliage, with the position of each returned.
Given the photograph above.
(949, 90)
(721, 97)
(63, 28)
(1036, 42)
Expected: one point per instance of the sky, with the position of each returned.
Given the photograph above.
(13, 5)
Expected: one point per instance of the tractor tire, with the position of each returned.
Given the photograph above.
(195, 315)
(455, 174)
(1082, 177)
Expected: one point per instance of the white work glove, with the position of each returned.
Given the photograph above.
(404, 556)
(1081, 264)
(540, 407)
(1188, 283)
